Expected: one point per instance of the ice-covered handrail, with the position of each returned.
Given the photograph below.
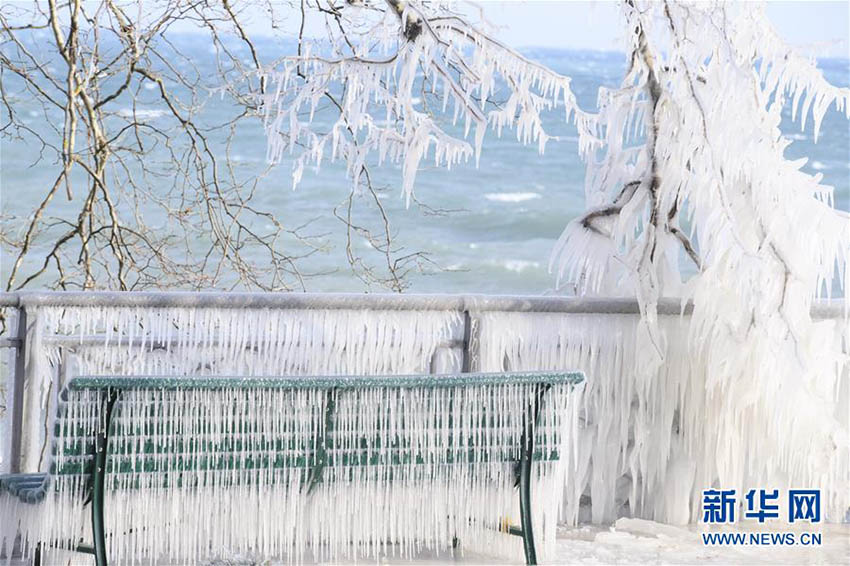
(358, 301)
(441, 302)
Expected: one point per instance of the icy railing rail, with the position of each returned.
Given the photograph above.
(456, 302)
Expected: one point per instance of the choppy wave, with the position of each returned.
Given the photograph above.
(517, 265)
(511, 197)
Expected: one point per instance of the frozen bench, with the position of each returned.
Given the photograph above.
(186, 468)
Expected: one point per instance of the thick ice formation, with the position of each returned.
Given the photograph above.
(441, 465)
(693, 171)
(655, 435)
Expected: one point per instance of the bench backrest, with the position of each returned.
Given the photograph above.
(165, 427)
(200, 467)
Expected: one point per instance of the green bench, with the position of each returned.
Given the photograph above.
(185, 468)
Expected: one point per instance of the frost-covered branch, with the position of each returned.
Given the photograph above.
(376, 74)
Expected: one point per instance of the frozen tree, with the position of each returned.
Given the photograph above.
(411, 83)
(122, 117)
(692, 196)
(689, 195)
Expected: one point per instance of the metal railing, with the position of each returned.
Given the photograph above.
(462, 304)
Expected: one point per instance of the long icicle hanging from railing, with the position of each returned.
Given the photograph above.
(222, 341)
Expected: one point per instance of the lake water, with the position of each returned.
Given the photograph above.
(506, 214)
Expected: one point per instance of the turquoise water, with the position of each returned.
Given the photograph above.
(505, 215)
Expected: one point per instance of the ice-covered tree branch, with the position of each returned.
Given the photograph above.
(376, 73)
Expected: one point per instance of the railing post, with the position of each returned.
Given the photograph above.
(17, 395)
(466, 354)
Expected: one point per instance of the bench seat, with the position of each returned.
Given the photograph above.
(29, 488)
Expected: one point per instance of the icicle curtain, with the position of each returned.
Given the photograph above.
(655, 435)
(222, 341)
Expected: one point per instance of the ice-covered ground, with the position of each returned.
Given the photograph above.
(633, 541)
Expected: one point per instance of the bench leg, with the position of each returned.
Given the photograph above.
(98, 533)
(99, 480)
(525, 504)
(526, 458)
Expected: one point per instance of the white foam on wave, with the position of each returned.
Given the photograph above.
(511, 197)
(519, 265)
